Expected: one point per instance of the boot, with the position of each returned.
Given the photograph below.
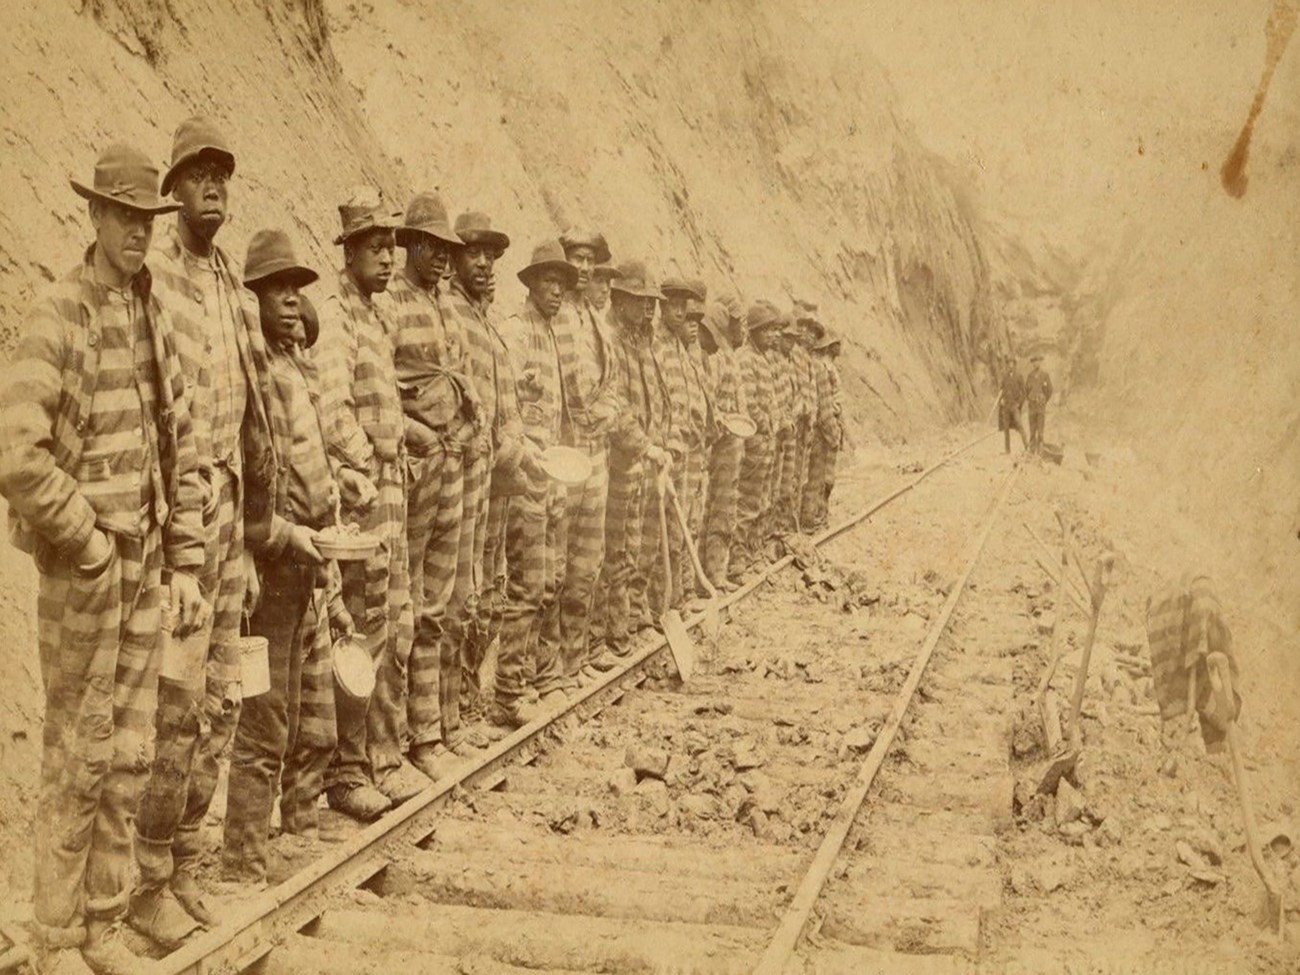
(554, 698)
(403, 783)
(186, 888)
(515, 714)
(107, 954)
(433, 760)
(158, 915)
(60, 961)
(362, 802)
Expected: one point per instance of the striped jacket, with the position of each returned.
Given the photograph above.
(433, 371)
(756, 376)
(644, 419)
(591, 392)
(684, 380)
(49, 413)
(783, 392)
(359, 399)
(805, 383)
(828, 405)
(181, 295)
(539, 382)
(493, 374)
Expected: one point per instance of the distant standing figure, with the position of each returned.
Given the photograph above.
(1012, 396)
(1038, 390)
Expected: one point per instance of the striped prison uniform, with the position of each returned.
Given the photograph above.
(691, 411)
(629, 436)
(647, 595)
(756, 459)
(362, 412)
(592, 406)
(438, 397)
(306, 498)
(223, 355)
(726, 388)
(776, 513)
(824, 443)
(806, 385)
(95, 433)
(480, 587)
(535, 548)
(312, 733)
(1184, 625)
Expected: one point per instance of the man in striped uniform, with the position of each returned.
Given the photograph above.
(441, 408)
(99, 465)
(282, 538)
(592, 405)
(727, 392)
(761, 321)
(494, 457)
(224, 358)
(785, 406)
(635, 445)
(806, 331)
(827, 435)
(534, 549)
(676, 350)
(363, 412)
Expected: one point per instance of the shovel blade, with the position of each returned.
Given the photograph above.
(680, 644)
(1062, 765)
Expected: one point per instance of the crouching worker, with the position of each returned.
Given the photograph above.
(281, 532)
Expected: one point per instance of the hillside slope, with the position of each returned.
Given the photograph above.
(742, 139)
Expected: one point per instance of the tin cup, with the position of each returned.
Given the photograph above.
(254, 665)
(182, 658)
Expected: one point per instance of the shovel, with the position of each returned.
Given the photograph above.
(680, 644)
(1221, 682)
(712, 617)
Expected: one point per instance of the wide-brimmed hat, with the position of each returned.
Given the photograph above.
(586, 237)
(197, 136)
(270, 255)
(425, 214)
(549, 256)
(762, 315)
(365, 209)
(476, 228)
(606, 271)
(680, 286)
(125, 176)
(829, 340)
(632, 278)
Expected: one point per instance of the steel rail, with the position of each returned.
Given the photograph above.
(269, 917)
(795, 919)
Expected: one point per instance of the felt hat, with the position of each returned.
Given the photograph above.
(762, 314)
(125, 176)
(549, 256)
(586, 237)
(715, 323)
(365, 210)
(425, 214)
(476, 228)
(632, 278)
(606, 271)
(680, 286)
(829, 340)
(195, 137)
(270, 255)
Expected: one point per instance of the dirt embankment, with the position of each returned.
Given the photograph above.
(746, 141)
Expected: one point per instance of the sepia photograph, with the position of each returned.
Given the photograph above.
(793, 487)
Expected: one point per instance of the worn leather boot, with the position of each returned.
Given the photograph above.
(433, 760)
(403, 783)
(158, 915)
(107, 954)
(363, 802)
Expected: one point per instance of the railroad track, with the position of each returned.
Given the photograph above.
(545, 854)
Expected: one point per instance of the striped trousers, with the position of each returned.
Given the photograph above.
(434, 519)
(586, 504)
(488, 555)
(522, 658)
(312, 732)
(755, 469)
(821, 472)
(622, 549)
(262, 739)
(378, 597)
(195, 722)
(720, 506)
(785, 481)
(548, 659)
(689, 479)
(647, 593)
(99, 654)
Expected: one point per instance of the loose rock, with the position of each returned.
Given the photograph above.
(646, 762)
